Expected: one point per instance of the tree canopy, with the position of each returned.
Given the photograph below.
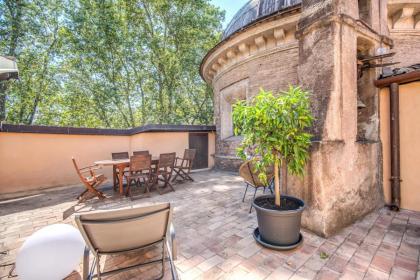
(274, 132)
(107, 63)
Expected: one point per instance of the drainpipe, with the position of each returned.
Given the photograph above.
(395, 146)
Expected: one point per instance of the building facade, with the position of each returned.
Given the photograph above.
(319, 45)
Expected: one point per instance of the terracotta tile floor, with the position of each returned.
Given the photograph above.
(215, 242)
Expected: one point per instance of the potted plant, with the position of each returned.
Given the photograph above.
(274, 128)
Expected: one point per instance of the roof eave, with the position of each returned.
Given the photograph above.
(399, 79)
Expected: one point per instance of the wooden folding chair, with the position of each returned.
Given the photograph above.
(117, 156)
(91, 182)
(140, 171)
(164, 170)
(183, 165)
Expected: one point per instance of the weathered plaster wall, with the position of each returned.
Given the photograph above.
(38, 161)
(341, 184)
(343, 179)
(34, 161)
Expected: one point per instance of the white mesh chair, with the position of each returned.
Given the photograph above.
(114, 232)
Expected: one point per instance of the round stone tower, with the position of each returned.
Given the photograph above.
(317, 44)
(258, 49)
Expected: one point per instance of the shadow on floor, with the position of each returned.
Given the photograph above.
(43, 199)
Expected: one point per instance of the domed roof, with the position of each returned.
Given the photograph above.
(255, 10)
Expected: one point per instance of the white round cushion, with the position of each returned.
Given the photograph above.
(51, 253)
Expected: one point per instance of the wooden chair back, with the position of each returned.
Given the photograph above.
(137, 153)
(120, 155)
(189, 155)
(183, 169)
(166, 162)
(138, 163)
(79, 173)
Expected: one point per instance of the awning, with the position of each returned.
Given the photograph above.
(8, 68)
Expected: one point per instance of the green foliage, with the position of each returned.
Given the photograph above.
(323, 256)
(274, 129)
(110, 63)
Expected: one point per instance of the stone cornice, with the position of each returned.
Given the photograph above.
(361, 27)
(280, 48)
(268, 34)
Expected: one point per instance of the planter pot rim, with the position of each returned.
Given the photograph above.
(279, 212)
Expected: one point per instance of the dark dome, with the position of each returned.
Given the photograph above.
(255, 10)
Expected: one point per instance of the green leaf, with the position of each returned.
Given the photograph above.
(275, 124)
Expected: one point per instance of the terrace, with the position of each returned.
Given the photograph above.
(214, 236)
(329, 109)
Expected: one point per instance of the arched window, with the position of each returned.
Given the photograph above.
(229, 96)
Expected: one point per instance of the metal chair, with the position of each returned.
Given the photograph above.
(183, 165)
(91, 182)
(248, 173)
(114, 232)
(140, 170)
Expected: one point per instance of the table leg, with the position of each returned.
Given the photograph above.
(120, 177)
(114, 177)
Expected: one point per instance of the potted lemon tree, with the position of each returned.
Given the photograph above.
(274, 129)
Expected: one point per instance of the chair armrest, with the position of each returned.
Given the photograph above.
(89, 170)
(174, 247)
(172, 251)
(94, 167)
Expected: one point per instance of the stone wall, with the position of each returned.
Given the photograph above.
(407, 48)
(266, 72)
(266, 58)
(404, 26)
(342, 182)
(317, 47)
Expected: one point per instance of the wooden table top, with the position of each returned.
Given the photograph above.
(112, 162)
(108, 162)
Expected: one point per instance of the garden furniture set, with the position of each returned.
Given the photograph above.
(139, 169)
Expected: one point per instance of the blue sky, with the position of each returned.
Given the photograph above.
(230, 6)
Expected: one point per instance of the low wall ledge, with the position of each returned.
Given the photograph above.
(18, 128)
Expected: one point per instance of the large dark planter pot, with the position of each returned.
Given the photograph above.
(279, 227)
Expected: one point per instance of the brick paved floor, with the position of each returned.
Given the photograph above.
(215, 242)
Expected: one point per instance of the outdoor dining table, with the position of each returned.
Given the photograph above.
(120, 164)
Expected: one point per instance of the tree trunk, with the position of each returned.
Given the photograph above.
(276, 184)
(15, 10)
(284, 176)
(2, 101)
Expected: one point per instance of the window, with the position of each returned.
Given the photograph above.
(229, 96)
(365, 11)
